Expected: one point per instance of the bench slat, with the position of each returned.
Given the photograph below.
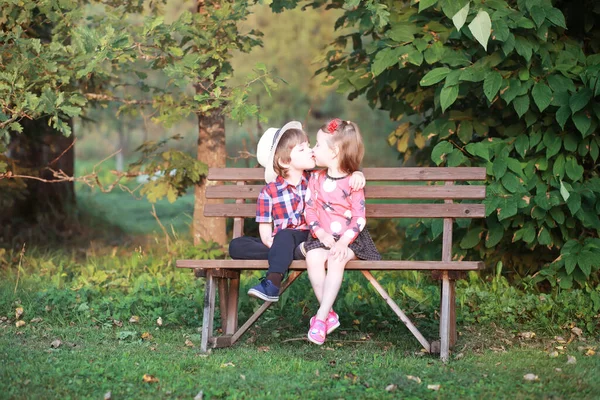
(371, 192)
(387, 265)
(373, 210)
(371, 174)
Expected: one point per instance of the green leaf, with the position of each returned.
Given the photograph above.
(573, 169)
(564, 193)
(383, 60)
(542, 95)
(580, 99)
(481, 28)
(582, 122)
(558, 215)
(574, 202)
(438, 154)
(424, 4)
(555, 16)
(544, 237)
(499, 167)
(472, 238)
(522, 145)
(511, 182)
(552, 142)
(562, 116)
(494, 235)
(491, 84)
(514, 88)
(434, 76)
(507, 207)
(523, 47)
(521, 105)
(538, 14)
(448, 96)
(465, 131)
(480, 149)
(402, 32)
(558, 169)
(560, 83)
(460, 17)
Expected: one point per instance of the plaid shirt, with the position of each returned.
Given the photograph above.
(283, 204)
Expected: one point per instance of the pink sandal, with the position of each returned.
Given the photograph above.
(333, 321)
(317, 332)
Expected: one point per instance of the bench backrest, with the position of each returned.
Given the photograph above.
(382, 185)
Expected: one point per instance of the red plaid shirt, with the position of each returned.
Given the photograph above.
(282, 203)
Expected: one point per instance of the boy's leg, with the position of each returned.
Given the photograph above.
(281, 253)
(333, 281)
(248, 248)
(315, 266)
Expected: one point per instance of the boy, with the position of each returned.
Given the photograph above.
(285, 154)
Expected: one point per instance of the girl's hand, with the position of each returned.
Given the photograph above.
(357, 181)
(326, 238)
(339, 251)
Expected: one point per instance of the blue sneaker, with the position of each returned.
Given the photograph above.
(265, 290)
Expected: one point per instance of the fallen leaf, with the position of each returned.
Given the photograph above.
(413, 378)
(264, 348)
(571, 360)
(243, 377)
(149, 378)
(147, 336)
(107, 395)
(134, 319)
(391, 388)
(576, 331)
(356, 322)
(527, 335)
(590, 352)
(459, 356)
(530, 377)
(20, 323)
(199, 396)
(553, 354)
(317, 373)
(48, 308)
(35, 320)
(558, 369)
(433, 387)
(18, 312)
(118, 323)
(56, 344)
(560, 347)
(229, 364)
(560, 339)
(189, 343)
(159, 321)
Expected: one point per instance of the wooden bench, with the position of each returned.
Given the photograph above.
(225, 274)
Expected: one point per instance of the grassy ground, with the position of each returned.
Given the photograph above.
(352, 364)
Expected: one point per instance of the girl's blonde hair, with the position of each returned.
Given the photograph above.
(346, 136)
(288, 141)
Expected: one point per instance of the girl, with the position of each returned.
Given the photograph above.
(336, 218)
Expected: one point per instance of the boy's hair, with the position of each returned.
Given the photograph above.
(290, 139)
(345, 135)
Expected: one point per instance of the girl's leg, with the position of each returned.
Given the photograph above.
(315, 266)
(333, 281)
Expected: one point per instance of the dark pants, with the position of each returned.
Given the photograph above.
(280, 255)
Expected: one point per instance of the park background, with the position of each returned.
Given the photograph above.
(98, 275)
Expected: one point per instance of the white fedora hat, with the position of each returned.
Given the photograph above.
(265, 151)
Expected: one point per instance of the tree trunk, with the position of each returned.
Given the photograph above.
(211, 151)
(35, 150)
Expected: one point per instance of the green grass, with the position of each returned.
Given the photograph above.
(92, 361)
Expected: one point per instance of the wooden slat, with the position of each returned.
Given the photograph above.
(371, 192)
(373, 210)
(387, 265)
(371, 174)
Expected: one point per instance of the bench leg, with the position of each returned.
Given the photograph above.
(397, 310)
(209, 311)
(445, 319)
(229, 288)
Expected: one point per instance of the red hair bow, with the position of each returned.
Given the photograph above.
(333, 125)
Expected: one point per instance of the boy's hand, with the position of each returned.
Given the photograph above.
(325, 238)
(357, 180)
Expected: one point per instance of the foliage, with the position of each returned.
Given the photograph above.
(58, 59)
(500, 84)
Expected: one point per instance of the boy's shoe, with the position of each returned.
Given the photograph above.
(299, 252)
(265, 290)
(317, 332)
(332, 322)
